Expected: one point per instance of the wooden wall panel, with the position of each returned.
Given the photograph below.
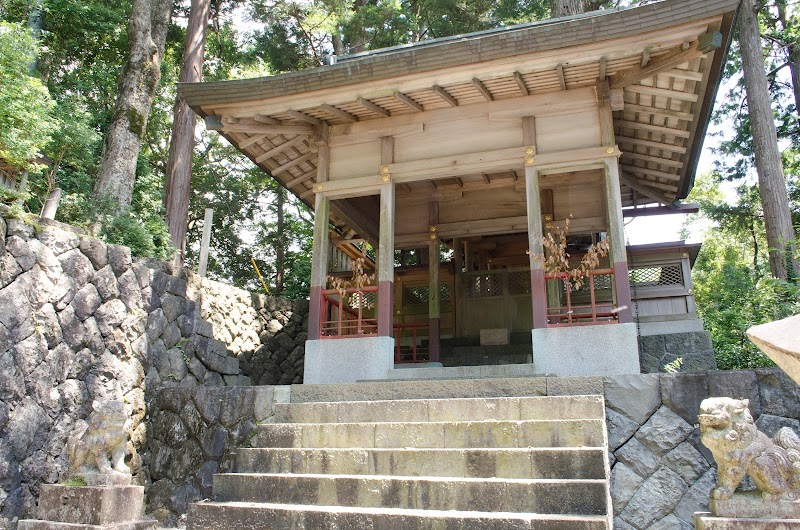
(570, 131)
(484, 204)
(469, 135)
(356, 160)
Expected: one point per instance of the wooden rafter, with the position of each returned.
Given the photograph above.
(662, 113)
(705, 43)
(561, 79)
(399, 96)
(649, 143)
(266, 119)
(445, 95)
(304, 117)
(302, 178)
(603, 68)
(279, 149)
(377, 109)
(480, 87)
(244, 144)
(654, 159)
(339, 112)
(663, 92)
(292, 163)
(521, 83)
(634, 184)
(679, 133)
(214, 123)
(650, 172)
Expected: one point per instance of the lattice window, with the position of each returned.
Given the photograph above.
(485, 285)
(519, 282)
(370, 300)
(603, 281)
(652, 276)
(419, 294)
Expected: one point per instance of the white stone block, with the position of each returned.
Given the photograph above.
(331, 361)
(610, 349)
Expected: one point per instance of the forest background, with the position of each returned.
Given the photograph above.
(60, 61)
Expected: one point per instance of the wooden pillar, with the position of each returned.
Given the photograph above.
(616, 231)
(386, 245)
(616, 235)
(534, 204)
(434, 310)
(205, 243)
(319, 254)
(686, 269)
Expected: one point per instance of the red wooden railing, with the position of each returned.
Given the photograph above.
(414, 352)
(339, 319)
(592, 313)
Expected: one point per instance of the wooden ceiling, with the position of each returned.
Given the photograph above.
(668, 83)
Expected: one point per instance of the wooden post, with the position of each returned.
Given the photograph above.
(23, 186)
(206, 242)
(319, 255)
(686, 268)
(616, 231)
(534, 204)
(619, 259)
(434, 309)
(51, 204)
(386, 244)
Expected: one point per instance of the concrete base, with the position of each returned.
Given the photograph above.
(752, 505)
(706, 521)
(89, 508)
(610, 349)
(331, 361)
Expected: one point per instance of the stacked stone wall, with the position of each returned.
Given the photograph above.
(82, 322)
(661, 474)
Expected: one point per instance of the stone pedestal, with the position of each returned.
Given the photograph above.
(89, 508)
(706, 521)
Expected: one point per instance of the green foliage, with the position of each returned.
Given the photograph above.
(26, 120)
(733, 286)
(75, 480)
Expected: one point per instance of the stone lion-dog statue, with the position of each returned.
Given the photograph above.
(739, 448)
(99, 445)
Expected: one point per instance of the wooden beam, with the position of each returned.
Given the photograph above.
(660, 210)
(244, 144)
(302, 178)
(292, 163)
(634, 184)
(662, 113)
(266, 119)
(521, 84)
(561, 79)
(377, 109)
(480, 87)
(279, 149)
(706, 43)
(678, 133)
(304, 117)
(663, 92)
(445, 95)
(399, 96)
(645, 57)
(214, 123)
(654, 159)
(650, 143)
(651, 172)
(603, 67)
(683, 74)
(339, 112)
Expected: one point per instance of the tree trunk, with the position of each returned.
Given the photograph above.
(565, 8)
(147, 31)
(792, 55)
(774, 195)
(280, 240)
(179, 164)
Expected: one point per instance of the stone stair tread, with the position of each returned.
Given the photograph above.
(405, 511)
(466, 480)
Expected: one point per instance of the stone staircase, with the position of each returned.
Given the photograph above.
(475, 463)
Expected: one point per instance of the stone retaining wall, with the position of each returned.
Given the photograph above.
(80, 321)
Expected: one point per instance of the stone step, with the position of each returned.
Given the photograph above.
(466, 368)
(258, 516)
(522, 463)
(463, 434)
(441, 410)
(449, 388)
(577, 497)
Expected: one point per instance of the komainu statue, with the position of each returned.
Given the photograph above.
(739, 448)
(99, 445)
